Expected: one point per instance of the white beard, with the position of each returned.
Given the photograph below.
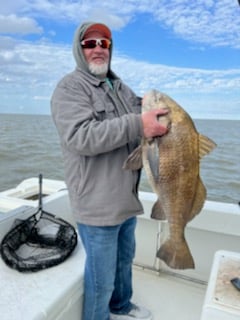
(98, 69)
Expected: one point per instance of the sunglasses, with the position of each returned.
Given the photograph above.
(92, 43)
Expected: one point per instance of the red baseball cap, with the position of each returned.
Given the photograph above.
(98, 27)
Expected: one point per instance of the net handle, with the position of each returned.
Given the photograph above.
(40, 193)
(39, 212)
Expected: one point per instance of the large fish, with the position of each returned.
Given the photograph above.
(172, 163)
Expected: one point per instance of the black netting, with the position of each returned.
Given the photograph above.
(39, 242)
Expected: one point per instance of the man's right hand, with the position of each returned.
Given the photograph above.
(151, 126)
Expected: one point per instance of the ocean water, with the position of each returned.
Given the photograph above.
(30, 145)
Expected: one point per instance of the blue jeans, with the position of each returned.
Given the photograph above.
(108, 270)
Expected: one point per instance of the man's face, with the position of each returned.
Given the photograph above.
(98, 57)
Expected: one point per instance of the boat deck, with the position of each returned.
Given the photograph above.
(57, 293)
(168, 297)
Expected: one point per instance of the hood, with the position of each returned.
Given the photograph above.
(77, 48)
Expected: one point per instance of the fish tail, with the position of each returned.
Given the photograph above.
(176, 256)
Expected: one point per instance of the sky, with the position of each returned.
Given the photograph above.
(188, 49)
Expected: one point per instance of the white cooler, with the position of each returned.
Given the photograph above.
(222, 300)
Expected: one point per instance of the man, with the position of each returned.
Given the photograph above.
(99, 123)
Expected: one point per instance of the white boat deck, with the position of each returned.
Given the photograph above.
(168, 297)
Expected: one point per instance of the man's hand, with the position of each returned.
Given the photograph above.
(151, 126)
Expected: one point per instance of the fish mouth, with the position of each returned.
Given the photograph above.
(157, 96)
(153, 98)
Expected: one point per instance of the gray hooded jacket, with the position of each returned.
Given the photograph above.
(98, 128)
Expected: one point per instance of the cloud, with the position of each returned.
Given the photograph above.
(26, 71)
(196, 80)
(30, 70)
(215, 23)
(11, 24)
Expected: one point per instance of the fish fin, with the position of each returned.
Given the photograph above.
(157, 211)
(198, 201)
(134, 160)
(206, 145)
(176, 256)
(153, 158)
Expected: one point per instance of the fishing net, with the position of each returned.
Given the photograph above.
(38, 242)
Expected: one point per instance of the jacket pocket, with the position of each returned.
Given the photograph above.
(104, 111)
